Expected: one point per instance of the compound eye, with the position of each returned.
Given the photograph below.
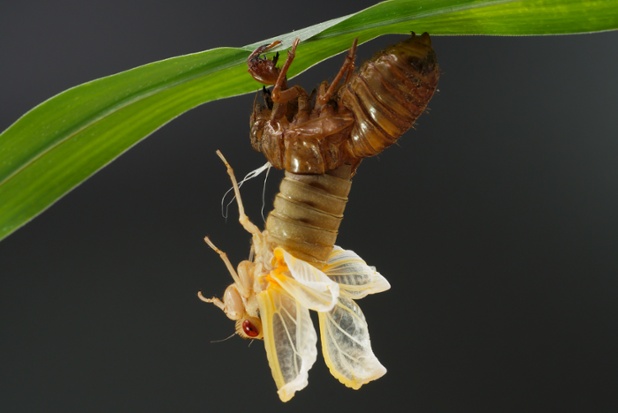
(250, 328)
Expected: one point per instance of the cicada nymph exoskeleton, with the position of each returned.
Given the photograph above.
(274, 290)
(357, 115)
(297, 131)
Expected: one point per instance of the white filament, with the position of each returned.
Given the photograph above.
(256, 172)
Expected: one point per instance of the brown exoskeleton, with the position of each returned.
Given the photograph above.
(298, 132)
(357, 115)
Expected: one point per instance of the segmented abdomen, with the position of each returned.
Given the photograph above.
(388, 94)
(307, 212)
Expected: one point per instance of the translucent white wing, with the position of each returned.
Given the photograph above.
(356, 279)
(308, 285)
(289, 338)
(346, 345)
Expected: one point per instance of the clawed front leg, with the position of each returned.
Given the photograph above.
(261, 69)
(214, 300)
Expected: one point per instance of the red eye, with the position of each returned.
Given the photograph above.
(249, 329)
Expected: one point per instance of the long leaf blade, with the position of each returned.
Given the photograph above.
(63, 141)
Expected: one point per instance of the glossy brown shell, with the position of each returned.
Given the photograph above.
(388, 94)
(308, 145)
(370, 110)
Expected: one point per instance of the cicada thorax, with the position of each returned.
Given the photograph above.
(297, 131)
(388, 93)
(301, 136)
(307, 213)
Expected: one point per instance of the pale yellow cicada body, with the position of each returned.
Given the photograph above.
(272, 295)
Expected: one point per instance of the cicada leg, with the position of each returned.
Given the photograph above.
(261, 69)
(225, 259)
(255, 55)
(279, 93)
(244, 220)
(214, 300)
(346, 70)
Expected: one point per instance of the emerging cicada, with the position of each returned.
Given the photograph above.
(294, 265)
(274, 290)
(357, 115)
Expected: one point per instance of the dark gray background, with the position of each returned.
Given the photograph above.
(495, 222)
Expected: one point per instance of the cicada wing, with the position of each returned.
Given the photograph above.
(356, 279)
(346, 345)
(289, 338)
(308, 285)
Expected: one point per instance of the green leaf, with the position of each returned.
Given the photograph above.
(63, 141)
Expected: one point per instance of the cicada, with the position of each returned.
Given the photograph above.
(294, 265)
(355, 116)
(274, 290)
